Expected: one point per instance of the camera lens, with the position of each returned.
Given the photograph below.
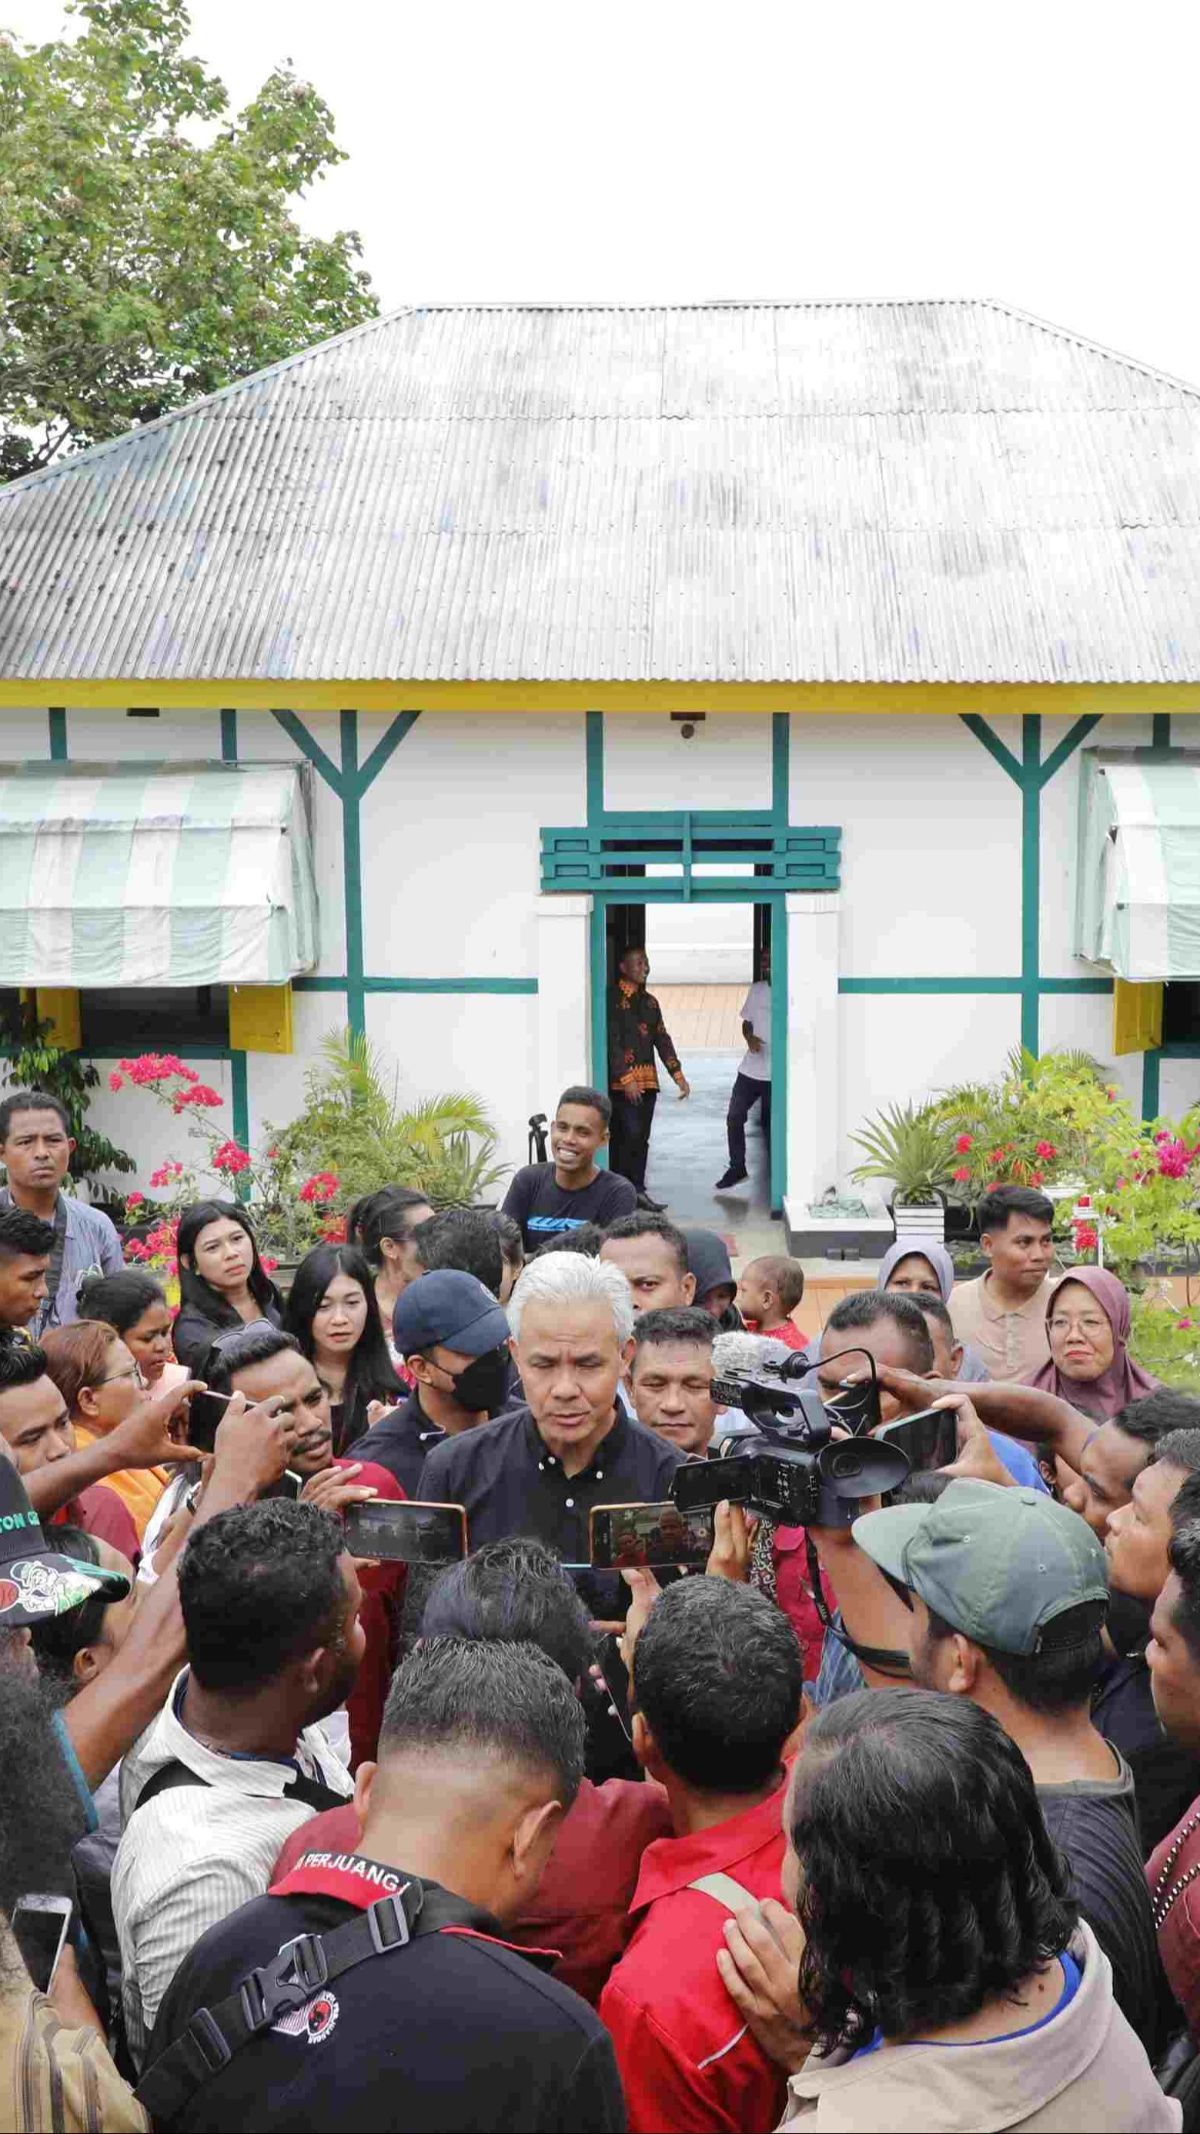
(846, 1464)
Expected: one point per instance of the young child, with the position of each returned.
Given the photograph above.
(768, 1292)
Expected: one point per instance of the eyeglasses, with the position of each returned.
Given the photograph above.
(115, 1377)
(1091, 1327)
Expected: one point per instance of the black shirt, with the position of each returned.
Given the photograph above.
(1166, 1778)
(509, 1482)
(1094, 1825)
(539, 1204)
(400, 1441)
(451, 2032)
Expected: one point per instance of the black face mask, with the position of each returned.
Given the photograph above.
(1128, 1622)
(484, 1383)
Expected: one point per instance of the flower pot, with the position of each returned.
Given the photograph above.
(919, 1218)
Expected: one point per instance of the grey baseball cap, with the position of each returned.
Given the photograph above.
(1000, 1565)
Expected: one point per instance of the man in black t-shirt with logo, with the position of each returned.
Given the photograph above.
(548, 1198)
(421, 2017)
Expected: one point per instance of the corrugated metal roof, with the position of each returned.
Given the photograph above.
(899, 492)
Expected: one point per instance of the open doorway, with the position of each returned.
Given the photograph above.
(704, 956)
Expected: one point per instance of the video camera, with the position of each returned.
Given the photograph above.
(791, 1468)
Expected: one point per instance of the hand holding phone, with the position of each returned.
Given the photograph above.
(387, 1532)
(639, 1537)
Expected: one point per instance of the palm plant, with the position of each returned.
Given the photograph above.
(354, 1125)
(910, 1146)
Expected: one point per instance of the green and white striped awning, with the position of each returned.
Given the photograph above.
(155, 875)
(1138, 892)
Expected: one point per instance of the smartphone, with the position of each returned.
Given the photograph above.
(615, 1676)
(406, 1533)
(930, 1439)
(629, 1537)
(289, 1485)
(40, 1924)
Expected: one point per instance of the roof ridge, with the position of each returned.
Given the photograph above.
(91, 453)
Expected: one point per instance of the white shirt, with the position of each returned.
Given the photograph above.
(193, 1854)
(756, 1010)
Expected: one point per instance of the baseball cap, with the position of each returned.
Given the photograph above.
(35, 1581)
(449, 1307)
(1000, 1565)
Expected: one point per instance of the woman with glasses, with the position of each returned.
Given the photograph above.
(102, 1383)
(1087, 1324)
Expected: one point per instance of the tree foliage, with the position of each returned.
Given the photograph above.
(148, 249)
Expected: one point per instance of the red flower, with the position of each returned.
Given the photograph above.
(1084, 1201)
(1086, 1238)
(320, 1187)
(334, 1233)
(1046, 1150)
(961, 1176)
(1173, 1158)
(115, 1080)
(963, 1143)
(197, 1096)
(267, 1262)
(231, 1159)
(1036, 1177)
(995, 1158)
(135, 1200)
(165, 1173)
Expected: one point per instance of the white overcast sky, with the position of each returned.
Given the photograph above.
(1041, 151)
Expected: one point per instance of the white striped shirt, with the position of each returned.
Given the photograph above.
(193, 1854)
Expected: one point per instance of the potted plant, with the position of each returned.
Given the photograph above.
(911, 1148)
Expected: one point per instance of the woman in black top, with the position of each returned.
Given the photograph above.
(330, 1311)
(222, 1281)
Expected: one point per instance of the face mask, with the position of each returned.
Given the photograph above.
(484, 1383)
(1128, 1621)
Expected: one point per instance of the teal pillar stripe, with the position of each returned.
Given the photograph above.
(297, 731)
(1160, 737)
(240, 1088)
(57, 722)
(356, 1005)
(598, 959)
(229, 737)
(1071, 740)
(1150, 1095)
(972, 985)
(781, 763)
(993, 744)
(779, 1050)
(1031, 878)
(593, 726)
(385, 748)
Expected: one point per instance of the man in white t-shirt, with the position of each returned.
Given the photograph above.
(753, 1082)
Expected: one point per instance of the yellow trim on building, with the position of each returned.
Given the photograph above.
(1137, 1016)
(260, 1018)
(999, 699)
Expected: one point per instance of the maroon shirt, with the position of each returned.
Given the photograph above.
(581, 1905)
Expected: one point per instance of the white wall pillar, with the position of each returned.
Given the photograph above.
(564, 996)
(813, 1065)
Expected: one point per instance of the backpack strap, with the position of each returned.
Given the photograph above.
(284, 1986)
(164, 1780)
(314, 1793)
(733, 1895)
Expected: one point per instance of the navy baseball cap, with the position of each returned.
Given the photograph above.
(449, 1308)
(35, 1580)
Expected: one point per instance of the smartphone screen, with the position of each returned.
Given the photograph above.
(930, 1439)
(631, 1537)
(615, 1676)
(39, 1925)
(406, 1533)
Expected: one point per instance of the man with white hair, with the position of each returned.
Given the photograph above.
(540, 1469)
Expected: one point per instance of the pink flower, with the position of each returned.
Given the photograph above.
(962, 1175)
(231, 1159)
(135, 1200)
(115, 1080)
(963, 1143)
(1046, 1150)
(268, 1262)
(1121, 1184)
(1184, 1323)
(1173, 1158)
(165, 1173)
(199, 1095)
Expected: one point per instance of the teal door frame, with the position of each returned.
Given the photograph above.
(749, 891)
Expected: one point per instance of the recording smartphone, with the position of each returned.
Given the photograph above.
(406, 1533)
(631, 1537)
(40, 1924)
(930, 1439)
(614, 1675)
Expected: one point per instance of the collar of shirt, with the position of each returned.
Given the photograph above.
(410, 1423)
(992, 1310)
(610, 1448)
(269, 1776)
(349, 1876)
(669, 1864)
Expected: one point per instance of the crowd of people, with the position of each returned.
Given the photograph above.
(891, 1823)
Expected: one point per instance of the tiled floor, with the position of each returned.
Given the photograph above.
(701, 1017)
(688, 1153)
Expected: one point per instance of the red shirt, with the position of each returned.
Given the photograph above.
(787, 1331)
(688, 2063)
(1169, 1867)
(794, 1594)
(581, 1905)
(382, 1584)
(101, 1512)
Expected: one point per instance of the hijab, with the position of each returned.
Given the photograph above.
(1124, 1380)
(920, 1248)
